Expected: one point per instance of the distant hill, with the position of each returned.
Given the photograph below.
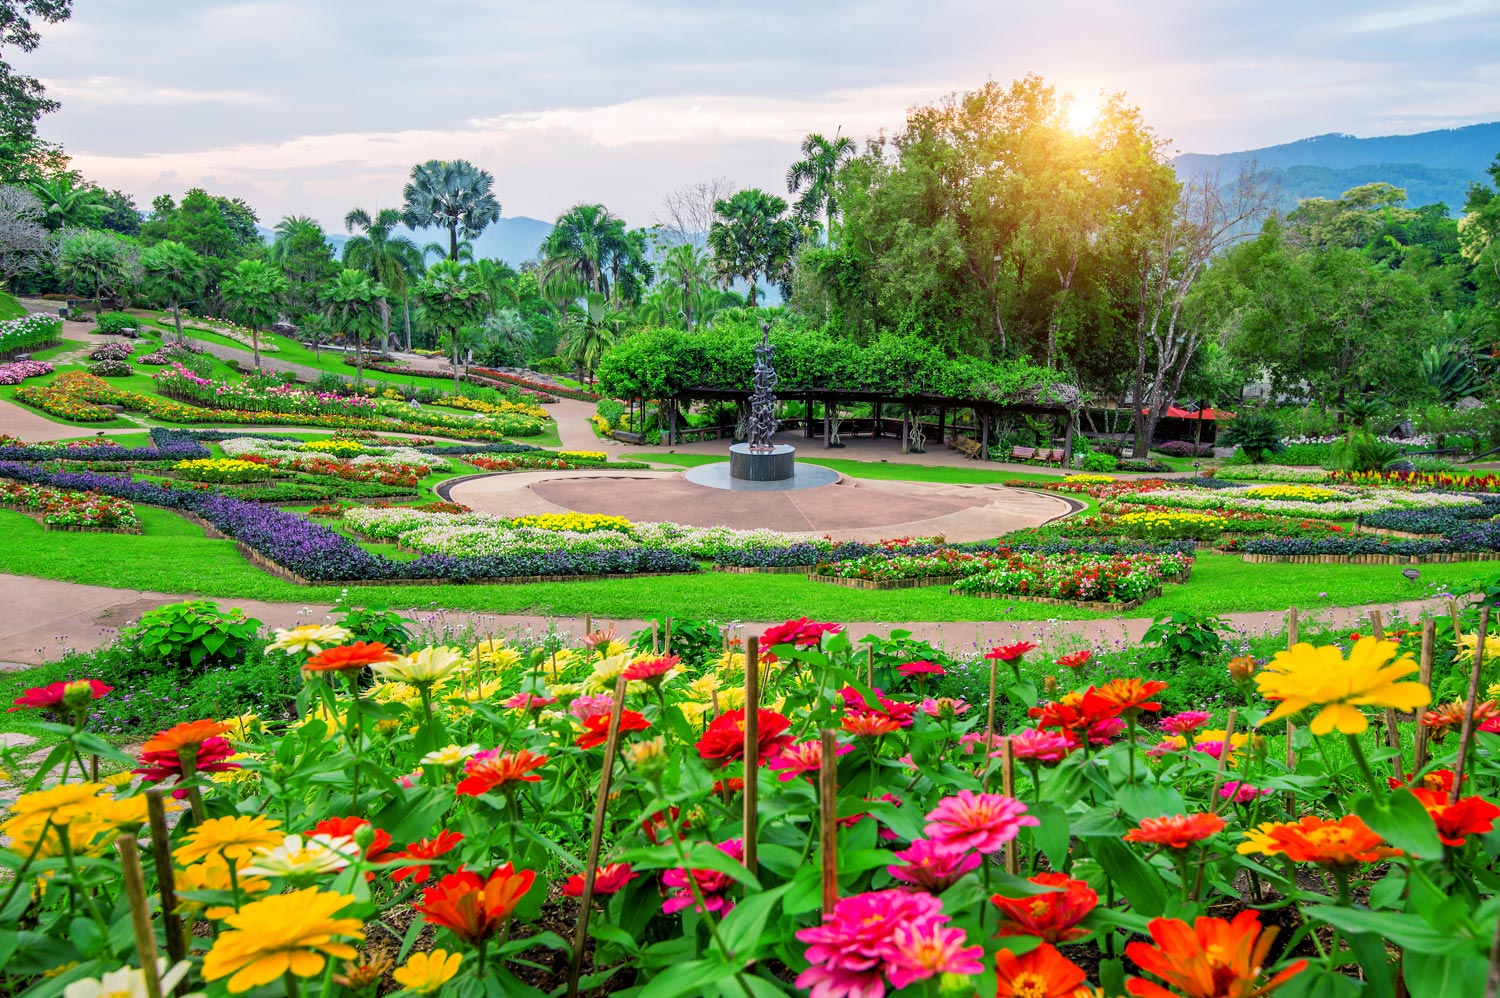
(512, 240)
(1433, 167)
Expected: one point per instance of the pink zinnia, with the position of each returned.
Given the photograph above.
(1105, 731)
(584, 708)
(1185, 723)
(942, 707)
(651, 668)
(978, 739)
(528, 701)
(801, 759)
(982, 822)
(711, 884)
(928, 948)
(851, 951)
(896, 710)
(933, 867)
(921, 668)
(1032, 745)
(1240, 793)
(1211, 749)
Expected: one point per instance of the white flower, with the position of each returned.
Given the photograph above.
(298, 857)
(449, 755)
(423, 667)
(310, 639)
(128, 982)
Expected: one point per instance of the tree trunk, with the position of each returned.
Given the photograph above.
(453, 241)
(359, 361)
(255, 346)
(406, 313)
(385, 322)
(455, 364)
(177, 316)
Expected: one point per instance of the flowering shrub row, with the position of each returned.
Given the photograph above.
(226, 328)
(29, 332)
(1360, 502)
(70, 509)
(18, 371)
(177, 382)
(1297, 493)
(1076, 577)
(1185, 448)
(501, 408)
(510, 424)
(167, 445)
(890, 566)
(577, 394)
(168, 353)
(224, 470)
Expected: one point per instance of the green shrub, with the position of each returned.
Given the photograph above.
(1255, 433)
(552, 365)
(112, 323)
(190, 637)
(611, 409)
(1185, 638)
(1362, 452)
(371, 624)
(1095, 461)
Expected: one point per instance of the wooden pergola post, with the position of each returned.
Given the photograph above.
(984, 433)
(671, 421)
(906, 428)
(827, 426)
(807, 413)
(1068, 442)
(942, 437)
(879, 405)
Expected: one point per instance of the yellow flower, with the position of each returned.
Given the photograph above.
(1466, 642)
(213, 875)
(61, 803)
(118, 781)
(423, 667)
(393, 692)
(607, 671)
(449, 755)
(1320, 677)
(565, 690)
(86, 837)
(287, 933)
(497, 654)
(124, 813)
(237, 837)
(308, 639)
(425, 973)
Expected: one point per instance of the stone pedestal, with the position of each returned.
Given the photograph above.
(775, 465)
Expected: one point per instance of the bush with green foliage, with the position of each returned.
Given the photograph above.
(1097, 462)
(611, 409)
(113, 323)
(190, 637)
(1255, 433)
(1182, 638)
(1360, 451)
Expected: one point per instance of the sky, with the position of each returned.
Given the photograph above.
(317, 106)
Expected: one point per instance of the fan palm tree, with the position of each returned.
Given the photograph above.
(815, 175)
(687, 273)
(497, 279)
(65, 204)
(589, 338)
(452, 299)
(752, 236)
(92, 259)
(438, 250)
(353, 301)
(451, 194)
(255, 290)
(391, 260)
(584, 242)
(174, 272)
(508, 329)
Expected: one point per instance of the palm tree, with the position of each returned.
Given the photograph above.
(255, 290)
(508, 328)
(687, 273)
(174, 272)
(584, 242)
(66, 205)
(353, 304)
(817, 172)
(452, 300)
(391, 260)
(438, 250)
(92, 259)
(451, 194)
(587, 341)
(497, 279)
(751, 237)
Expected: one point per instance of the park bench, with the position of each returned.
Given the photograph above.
(627, 437)
(1023, 453)
(694, 434)
(967, 447)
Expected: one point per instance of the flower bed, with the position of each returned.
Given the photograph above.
(511, 424)
(1297, 493)
(887, 569)
(1083, 578)
(1164, 525)
(71, 510)
(167, 445)
(29, 332)
(116, 350)
(1363, 502)
(18, 371)
(177, 382)
(543, 461)
(537, 386)
(226, 328)
(501, 408)
(224, 470)
(168, 353)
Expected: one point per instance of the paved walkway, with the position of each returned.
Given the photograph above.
(44, 618)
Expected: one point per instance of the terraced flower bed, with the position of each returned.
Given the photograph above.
(1077, 578)
(65, 509)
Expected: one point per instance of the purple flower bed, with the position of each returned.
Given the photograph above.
(18, 371)
(1185, 448)
(167, 445)
(478, 448)
(112, 351)
(1344, 546)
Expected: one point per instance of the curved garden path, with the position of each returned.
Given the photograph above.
(46, 617)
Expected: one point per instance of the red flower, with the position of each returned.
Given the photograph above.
(185, 735)
(870, 725)
(802, 633)
(1125, 696)
(528, 701)
(659, 822)
(608, 879)
(63, 691)
(1073, 713)
(1040, 973)
(921, 668)
(1211, 959)
(349, 658)
(424, 849)
(728, 788)
(596, 728)
(651, 670)
(1437, 779)
(724, 741)
(1009, 653)
(486, 772)
(1464, 817)
(1077, 659)
(340, 828)
(474, 908)
(1177, 831)
(213, 755)
(1051, 916)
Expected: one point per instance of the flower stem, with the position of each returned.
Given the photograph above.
(1364, 765)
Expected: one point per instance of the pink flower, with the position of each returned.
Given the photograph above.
(982, 822)
(921, 668)
(711, 884)
(584, 708)
(801, 759)
(1239, 792)
(1211, 749)
(1166, 746)
(851, 952)
(530, 701)
(933, 867)
(1105, 731)
(1186, 722)
(926, 948)
(942, 707)
(854, 703)
(978, 739)
(1032, 745)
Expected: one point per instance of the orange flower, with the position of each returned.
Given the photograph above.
(349, 658)
(1126, 696)
(1457, 821)
(1052, 916)
(1177, 831)
(1041, 973)
(1451, 715)
(870, 725)
(474, 908)
(1213, 959)
(1341, 843)
(486, 771)
(185, 735)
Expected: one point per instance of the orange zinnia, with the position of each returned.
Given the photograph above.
(474, 908)
(349, 658)
(1126, 696)
(1449, 715)
(1176, 831)
(185, 735)
(1457, 821)
(1211, 959)
(1052, 916)
(1346, 842)
(870, 725)
(486, 772)
(1040, 973)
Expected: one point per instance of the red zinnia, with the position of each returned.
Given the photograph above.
(1125, 696)
(724, 741)
(1009, 653)
(54, 694)
(651, 670)
(921, 668)
(1051, 916)
(212, 757)
(1211, 958)
(1077, 660)
(1464, 817)
(596, 728)
(870, 725)
(608, 879)
(802, 633)
(1039, 973)
(474, 908)
(349, 658)
(485, 773)
(339, 828)
(185, 735)
(424, 849)
(1176, 831)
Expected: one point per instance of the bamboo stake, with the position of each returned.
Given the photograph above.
(828, 803)
(1470, 704)
(667, 646)
(1429, 641)
(989, 724)
(596, 837)
(1008, 787)
(588, 624)
(1291, 627)
(655, 644)
(751, 793)
(1291, 765)
(1392, 732)
(1224, 755)
(140, 918)
(166, 880)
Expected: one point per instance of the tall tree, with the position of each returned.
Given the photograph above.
(753, 237)
(219, 229)
(585, 241)
(67, 204)
(305, 256)
(24, 246)
(94, 260)
(687, 276)
(255, 290)
(687, 213)
(508, 335)
(352, 301)
(589, 338)
(23, 99)
(389, 259)
(452, 300)
(813, 177)
(450, 194)
(175, 273)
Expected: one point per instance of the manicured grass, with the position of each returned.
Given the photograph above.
(9, 307)
(174, 556)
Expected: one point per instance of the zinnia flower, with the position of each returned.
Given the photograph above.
(1212, 959)
(870, 725)
(1451, 715)
(1076, 660)
(801, 759)
(528, 701)
(1126, 696)
(711, 884)
(942, 707)
(724, 741)
(982, 822)
(851, 952)
(1037, 746)
(285, 933)
(921, 668)
(213, 874)
(472, 907)
(1040, 973)
(349, 658)
(214, 755)
(426, 973)
(1457, 821)
(596, 728)
(127, 982)
(1051, 916)
(295, 856)
(933, 867)
(450, 755)
(1009, 653)
(236, 837)
(342, 828)
(1306, 677)
(1176, 831)
(925, 948)
(802, 633)
(423, 849)
(1187, 722)
(76, 693)
(652, 670)
(608, 879)
(421, 668)
(1240, 793)
(309, 639)
(185, 735)
(1342, 843)
(486, 772)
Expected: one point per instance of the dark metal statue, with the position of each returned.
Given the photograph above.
(763, 401)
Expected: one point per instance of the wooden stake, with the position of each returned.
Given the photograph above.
(1470, 704)
(140, 918)
(166, 880)
(1291, 764)
(1429, 642)
(588, 624)
(1008, 787)
(1291, 627)
(655, 643)
(1224, 755)
(751, 794)
(667, 647)
(596, 836)
(828, 806)
(1392, 732)
(989, 724)
(870, 667)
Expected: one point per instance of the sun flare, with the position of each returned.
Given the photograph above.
(1082, 112)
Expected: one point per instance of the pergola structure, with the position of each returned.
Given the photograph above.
(828, 399)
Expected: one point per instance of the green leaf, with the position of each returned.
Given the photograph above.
(1141, 884)
(1429, 974)
(1147, 800)
(1412, 934)
(703, 856)
(1375, 964)
(686, 978)
(1051, 835)
(741, 929)
(1401, 820)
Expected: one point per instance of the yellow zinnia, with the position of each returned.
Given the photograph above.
(287, 933)
(1306, 677)
(425, 973)
(213, 875)
(237, 837)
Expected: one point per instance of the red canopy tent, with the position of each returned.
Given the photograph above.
(1211, 414)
